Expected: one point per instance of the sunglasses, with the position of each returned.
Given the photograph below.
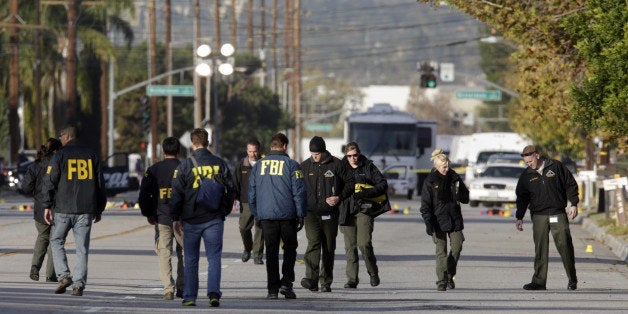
(528, 154)
(352, 155)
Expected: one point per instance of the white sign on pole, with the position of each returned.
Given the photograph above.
(612, 184)
(447, 72)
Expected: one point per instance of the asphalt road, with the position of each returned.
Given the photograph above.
(496, 261)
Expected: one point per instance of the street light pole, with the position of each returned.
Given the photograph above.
(205, 69)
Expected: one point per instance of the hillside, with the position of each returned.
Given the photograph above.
(366, 41)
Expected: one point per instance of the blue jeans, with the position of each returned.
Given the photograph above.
(81, 225)
(211, 232)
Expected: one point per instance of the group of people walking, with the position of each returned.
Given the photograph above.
(276, 197)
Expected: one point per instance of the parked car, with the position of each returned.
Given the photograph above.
(401, 180)
(495, 185)
(505, 158)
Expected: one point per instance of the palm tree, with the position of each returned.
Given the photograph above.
(95, 51)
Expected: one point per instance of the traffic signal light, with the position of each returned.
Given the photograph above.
(428, 80)
(428, 75)
(145, 113)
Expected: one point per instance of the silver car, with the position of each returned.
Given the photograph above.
(496, 185)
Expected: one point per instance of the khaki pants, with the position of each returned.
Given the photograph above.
(163, 241)
(446, 263)
(358, 233)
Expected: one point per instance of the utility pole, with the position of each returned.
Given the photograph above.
(249, 24)
(168, 19)
(218, 38)
(153, 70)
(274, 44)
(103, 106)
(287, 42)
(14, 81)
(197, 80)
(287, 33)
(297, 74)
(37, 78)
(262, 47)
(234, 25)
(71, 61)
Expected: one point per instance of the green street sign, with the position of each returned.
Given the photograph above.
(170, 90)
(323, 127)
(486, 95)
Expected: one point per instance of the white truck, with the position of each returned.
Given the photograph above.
(475, 149)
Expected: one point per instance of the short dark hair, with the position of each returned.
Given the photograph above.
(171, 146)
(254, 142)
(278, 141)
(199, 137)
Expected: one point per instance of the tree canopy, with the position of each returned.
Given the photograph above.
(570, 68)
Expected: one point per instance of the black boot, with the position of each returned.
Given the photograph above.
(34, 273)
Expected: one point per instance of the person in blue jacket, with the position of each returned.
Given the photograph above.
(277, 198)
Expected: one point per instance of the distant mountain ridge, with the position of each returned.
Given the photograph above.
(369, 42)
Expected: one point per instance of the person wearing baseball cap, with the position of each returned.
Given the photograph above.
(544, 187)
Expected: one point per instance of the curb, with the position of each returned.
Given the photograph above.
(618, 246)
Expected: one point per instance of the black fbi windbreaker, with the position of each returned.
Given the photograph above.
(156, 189)
(74, 182)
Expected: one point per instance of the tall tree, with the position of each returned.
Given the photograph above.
(548, 64)
(601, 96)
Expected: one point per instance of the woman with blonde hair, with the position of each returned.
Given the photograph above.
(442, 193)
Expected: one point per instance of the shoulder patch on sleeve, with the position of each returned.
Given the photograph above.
(48, 169)
(174, 176)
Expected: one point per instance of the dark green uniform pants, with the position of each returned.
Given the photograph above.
(541, 227)
(321, 236)
(252, 241)
(358, 234)
(446, 264)
(42, 247)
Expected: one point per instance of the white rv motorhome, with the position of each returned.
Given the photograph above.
(393, 138)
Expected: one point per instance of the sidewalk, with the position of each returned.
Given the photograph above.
(618, 246)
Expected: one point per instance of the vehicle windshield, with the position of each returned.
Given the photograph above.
(384, 139)
(505, 159)
(501, 172)
(483, 156)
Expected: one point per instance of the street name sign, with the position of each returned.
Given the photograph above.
(170, 90)
(322, 127)
(487, 95)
